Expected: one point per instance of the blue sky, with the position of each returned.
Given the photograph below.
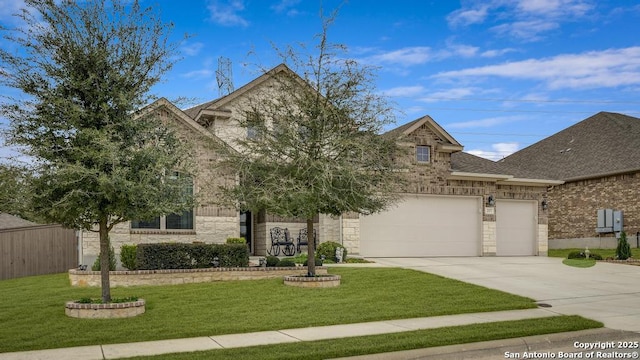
(498, 75)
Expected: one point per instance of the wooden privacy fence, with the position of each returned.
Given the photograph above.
(37, 250)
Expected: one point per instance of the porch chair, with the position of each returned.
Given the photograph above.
(303, 239)
(281, 237)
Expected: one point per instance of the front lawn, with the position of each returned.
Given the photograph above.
(32, 308)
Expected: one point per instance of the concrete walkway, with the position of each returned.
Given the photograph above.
(149, 348)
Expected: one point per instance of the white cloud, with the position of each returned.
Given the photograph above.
(418, 55)
(484, 123)
(406, 56)
(286, 6)
(226, 13)
(526, 30)
(523, 19)
(8, 8)
(450, 94)
(192, 49)
(404, 91)
(499, 151)
(203, 73)
(593, 69)
(464, 17)
(496, 52)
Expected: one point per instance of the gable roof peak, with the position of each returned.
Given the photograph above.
(427, 120)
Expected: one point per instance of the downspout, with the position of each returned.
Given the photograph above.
(80, 238)
(340, 230)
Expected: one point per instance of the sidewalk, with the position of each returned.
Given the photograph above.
(149, 348)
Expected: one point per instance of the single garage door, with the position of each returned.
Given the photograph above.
(516, 228)
(424, 226)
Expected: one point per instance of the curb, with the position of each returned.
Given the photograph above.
(546, 346)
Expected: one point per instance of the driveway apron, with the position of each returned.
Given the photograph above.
(606, 292)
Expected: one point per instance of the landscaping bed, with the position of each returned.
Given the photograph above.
(81, 278)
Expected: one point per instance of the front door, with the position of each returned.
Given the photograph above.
(245, 227)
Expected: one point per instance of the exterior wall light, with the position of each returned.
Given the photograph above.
(491, 201)
(544, 204)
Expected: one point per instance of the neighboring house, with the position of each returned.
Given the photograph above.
(598, 159)
(449, 209)
(8, 221)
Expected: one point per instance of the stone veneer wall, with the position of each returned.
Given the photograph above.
(208, 229)
(573, 206)
(489, 238)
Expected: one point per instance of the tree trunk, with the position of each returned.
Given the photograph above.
(104, 260)
(311, 248)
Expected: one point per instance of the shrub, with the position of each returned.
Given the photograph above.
(128, 256)
(623, 251)
(112, 261)
(328, 249)
(300, 259)
(286, 263)
(233, 240)
(582, 255)
(190, 256)
(272, 261)
(319, 262)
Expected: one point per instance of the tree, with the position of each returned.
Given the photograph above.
(84, 69)
(14, 193)
(623, 250)
(316, 146)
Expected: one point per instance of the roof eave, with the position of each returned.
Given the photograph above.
(530, 182)
(462, 175)
(595, 176)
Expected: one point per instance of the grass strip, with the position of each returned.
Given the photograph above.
(373, 344)
(32, 308)
(579, 263)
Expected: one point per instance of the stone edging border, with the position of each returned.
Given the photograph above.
(322, 281)
(105, 311)
(81, 278)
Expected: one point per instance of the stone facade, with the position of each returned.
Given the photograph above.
(573, 208)
(218, 121)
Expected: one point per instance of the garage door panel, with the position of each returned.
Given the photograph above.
(423, 226)
(515, 228)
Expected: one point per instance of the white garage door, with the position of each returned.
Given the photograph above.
(516, 228)
(424, 226)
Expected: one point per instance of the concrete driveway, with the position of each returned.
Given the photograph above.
(609, 293)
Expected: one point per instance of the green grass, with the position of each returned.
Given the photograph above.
(579, 263)
(393, 342)
(605, 253)
(32, 308)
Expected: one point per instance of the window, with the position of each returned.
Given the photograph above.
(254, 123)
(177, 221)
(423, 154)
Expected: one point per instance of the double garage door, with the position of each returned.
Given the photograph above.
(422, 226)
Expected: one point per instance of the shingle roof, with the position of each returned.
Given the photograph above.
(465, 162)
(9, 222)
(605, 143)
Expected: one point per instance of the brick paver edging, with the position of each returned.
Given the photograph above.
(105, 311)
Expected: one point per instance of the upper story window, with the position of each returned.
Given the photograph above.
(423, 153)
(177, 221)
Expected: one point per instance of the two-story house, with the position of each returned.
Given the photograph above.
(456, 204)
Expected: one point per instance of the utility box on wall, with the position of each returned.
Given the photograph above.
(609, 221)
